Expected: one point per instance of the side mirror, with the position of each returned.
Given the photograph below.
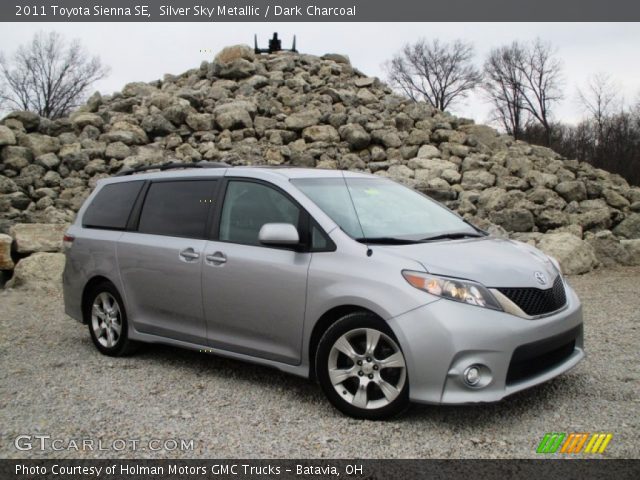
(279, 234)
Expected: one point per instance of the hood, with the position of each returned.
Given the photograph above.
(494, 262)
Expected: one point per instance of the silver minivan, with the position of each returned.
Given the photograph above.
(378, 292)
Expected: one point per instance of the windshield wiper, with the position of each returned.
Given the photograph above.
(452, 236)
(387, 240)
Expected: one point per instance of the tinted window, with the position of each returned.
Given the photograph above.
(248, 206)
(112, 205)
(177, 208)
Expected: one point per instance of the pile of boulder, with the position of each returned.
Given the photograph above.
(309, 111)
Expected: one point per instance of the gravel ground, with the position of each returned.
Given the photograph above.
(54, 382)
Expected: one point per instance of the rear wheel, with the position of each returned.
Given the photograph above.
(107, 321)
(362, 369)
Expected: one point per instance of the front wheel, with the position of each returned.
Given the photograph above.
(362, 369)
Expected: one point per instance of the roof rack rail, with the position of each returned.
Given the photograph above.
(171, 166)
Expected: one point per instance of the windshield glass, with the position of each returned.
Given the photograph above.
(370, 208)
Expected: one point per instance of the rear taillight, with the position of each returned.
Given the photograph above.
(67, 240)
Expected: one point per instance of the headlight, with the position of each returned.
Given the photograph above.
(463, 291)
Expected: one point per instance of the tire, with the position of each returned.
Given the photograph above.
(107, 321)
(376, 388)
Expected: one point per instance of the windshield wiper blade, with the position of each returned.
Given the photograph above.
(452, 236)
(387, 240)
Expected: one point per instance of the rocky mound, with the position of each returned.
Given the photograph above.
(295, 109)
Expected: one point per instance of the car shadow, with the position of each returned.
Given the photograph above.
(228, 369)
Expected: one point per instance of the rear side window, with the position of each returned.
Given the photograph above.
(112, 205)
(177, 208)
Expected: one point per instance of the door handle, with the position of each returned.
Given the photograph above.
(216, 258)
(189, 254)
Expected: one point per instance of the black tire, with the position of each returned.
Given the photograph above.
(121, 345)
(352, 324)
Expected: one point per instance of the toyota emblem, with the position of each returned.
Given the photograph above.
(541, 278)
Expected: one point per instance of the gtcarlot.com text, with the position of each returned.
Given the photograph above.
(48, 443)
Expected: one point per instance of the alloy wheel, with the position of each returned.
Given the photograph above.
(367, 368)
(106, 320)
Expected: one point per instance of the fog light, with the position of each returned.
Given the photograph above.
(472, 376)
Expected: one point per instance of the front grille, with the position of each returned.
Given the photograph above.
(532, 359)
(534, 301)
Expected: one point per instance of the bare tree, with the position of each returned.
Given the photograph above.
(599, 99)
(48, 76)
(541, 73)
(438, 73)
(503, 85)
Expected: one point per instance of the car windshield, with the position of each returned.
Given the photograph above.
(379, 209)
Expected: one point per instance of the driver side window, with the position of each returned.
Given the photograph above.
(248, 206)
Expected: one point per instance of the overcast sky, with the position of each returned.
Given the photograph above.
(145, 51)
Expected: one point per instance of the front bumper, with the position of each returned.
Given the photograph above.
(442, 339)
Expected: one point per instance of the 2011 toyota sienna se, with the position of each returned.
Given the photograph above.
(378, 292)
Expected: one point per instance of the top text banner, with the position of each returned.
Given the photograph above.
(318, 10)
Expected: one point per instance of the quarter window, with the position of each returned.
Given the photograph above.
(248, 206)
(177, 208)
(112, 205)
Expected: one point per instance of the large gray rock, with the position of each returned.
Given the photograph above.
(355, 135)
(615, 199)
(477, 179)
(157, 125)
(235, 52)
(82, 119)
(29, 120)
(40, 144)
(629, 227)
(574, 254)
(336, 57)
(608, 249)
(38, 237)
(632, 247)
(117, 150)
(234, 115)
(126, 133)
(234, 70)
(49, 161)
(513, 219)
(388, 138)
(321, 133)
(302, 120)
(428, 151)
(7, 185)
(200, 121)
(39, 271)
(16, 158)
(572, 190)
(6, 136)
(6, 262)
(550, 219)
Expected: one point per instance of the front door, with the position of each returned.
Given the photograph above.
(254, 296)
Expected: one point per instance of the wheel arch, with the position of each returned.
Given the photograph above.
(327, 319)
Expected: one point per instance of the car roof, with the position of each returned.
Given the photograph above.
(259, 172)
